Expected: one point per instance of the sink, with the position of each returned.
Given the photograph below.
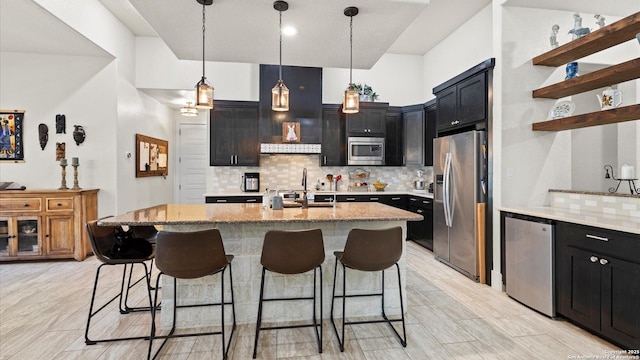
(296, 204)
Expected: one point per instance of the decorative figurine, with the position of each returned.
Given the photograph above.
(578, 30)
(43, 135)
(599, 20)
(60, 151)
(61, 124)
(552, 39)
(571, 70)
(78, 134)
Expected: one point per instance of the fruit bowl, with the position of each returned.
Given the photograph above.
(379, 186)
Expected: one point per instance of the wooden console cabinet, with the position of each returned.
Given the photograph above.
(46, 224)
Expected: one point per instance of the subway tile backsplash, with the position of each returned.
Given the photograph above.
(596, 202)
(280, 171)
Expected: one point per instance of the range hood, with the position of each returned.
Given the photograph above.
(305, 110)
(290, 148)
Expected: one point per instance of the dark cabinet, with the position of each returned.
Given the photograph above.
(394, 139)
(430, 114)
(463, 104)
(233, 199)
(421, 231)
(369, 121)
(414, 134)
(598, 281)
(463, 101)
(234, 134)
(333, 141)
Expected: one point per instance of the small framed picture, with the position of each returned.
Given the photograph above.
(11, 146)
(290, 132)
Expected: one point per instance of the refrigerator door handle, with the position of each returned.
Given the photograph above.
(445, 189)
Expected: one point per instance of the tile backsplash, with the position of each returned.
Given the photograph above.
(594, 202)
(279, 171)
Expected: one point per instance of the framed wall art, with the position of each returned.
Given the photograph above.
(152, 156)
(11, 140)
(290, 132)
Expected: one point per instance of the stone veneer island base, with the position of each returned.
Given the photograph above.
(243, 227)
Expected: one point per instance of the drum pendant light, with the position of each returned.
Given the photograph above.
(351, 103)
(280, 92)
(204, 90)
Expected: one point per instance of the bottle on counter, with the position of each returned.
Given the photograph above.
(265, 199)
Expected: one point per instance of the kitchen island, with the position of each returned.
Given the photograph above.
(243, 227)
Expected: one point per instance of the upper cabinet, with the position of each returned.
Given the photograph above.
(233, 139)
(414, 134)
(333, 146)
(600, 39)
(369, 121)
(462, 102)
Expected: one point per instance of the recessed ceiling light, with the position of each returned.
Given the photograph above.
(289, 31)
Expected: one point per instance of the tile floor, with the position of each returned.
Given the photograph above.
(43, 308)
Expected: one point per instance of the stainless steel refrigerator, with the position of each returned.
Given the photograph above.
(459, 163)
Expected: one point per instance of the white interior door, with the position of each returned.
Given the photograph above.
(192, 163)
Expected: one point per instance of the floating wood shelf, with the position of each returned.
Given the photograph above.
(621, 114)
(610, 35)
(611, 75)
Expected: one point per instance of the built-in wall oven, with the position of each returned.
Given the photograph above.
(365, 151)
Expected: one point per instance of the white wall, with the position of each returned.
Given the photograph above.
(469, 45)
(97, 93)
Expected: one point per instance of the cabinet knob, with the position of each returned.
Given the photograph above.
(47, 235)
(604, 261)
(593, 259)
(59, 204)
(25, 205)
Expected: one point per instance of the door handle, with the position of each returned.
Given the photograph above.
(324, 159)
(231, 161)
(593, 259)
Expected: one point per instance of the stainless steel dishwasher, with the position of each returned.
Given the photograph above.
(529, 262)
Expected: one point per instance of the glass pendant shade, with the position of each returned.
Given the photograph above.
(351, 103)
(189, 110)
(280, 97)
(204, 94)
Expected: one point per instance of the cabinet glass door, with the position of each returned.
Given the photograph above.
(27, 236)
(4, 237)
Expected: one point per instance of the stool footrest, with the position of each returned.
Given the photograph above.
(280, 327)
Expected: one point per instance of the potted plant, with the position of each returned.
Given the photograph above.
(365, 91)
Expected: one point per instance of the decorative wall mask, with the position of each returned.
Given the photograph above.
(43, 135)
(78, 134)
(60, 151)
(61, 124)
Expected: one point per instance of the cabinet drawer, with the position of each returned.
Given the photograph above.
(58, 204)
(608, 242)
(20, 204)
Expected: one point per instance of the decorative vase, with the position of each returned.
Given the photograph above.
(365, 98)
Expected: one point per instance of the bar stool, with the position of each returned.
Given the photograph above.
(149, 233)
(102, 239)
(191, 255)
(369, 250)
(292, 252)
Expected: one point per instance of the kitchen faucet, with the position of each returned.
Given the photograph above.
(305, 201)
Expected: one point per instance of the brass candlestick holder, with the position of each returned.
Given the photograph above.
(75, 177)
(63, 184)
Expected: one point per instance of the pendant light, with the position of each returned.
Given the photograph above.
(280, 92)
(189, 110)
(204, 90)
(351, 103)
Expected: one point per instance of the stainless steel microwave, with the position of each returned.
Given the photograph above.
(365, 151)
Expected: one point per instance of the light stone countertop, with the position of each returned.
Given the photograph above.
(606, 221)
(372, 193)
(202, 214)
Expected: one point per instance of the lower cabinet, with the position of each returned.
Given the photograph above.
(46, 224)
(421, 231)
(598, 281)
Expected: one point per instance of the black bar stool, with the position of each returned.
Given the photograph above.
(191, 255)
(292, 252)
(103, 239)
(369, 250)
(147, 232)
